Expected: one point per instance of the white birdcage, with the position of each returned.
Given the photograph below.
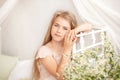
(89, 40)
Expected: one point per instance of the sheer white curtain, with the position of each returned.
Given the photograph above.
(7, 6)
(102, 17)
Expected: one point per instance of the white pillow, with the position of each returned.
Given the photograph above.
(22, 71)
(7, 64)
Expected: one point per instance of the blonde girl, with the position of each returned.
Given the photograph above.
(51, 56)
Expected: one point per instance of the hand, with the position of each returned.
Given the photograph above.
(70, 39)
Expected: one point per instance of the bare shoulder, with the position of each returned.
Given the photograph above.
(44, 49)
(43, 52)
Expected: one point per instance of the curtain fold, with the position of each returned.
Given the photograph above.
(6, 8)
(100, 16)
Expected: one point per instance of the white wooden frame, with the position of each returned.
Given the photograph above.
(94, 43)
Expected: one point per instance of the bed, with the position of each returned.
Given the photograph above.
(14, 69)
(11, 68)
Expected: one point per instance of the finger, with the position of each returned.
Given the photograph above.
(73, 35)
(76, 31)
(75, 40)
(69, 36)
(66, 35)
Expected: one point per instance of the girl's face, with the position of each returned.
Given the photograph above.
(59, 29)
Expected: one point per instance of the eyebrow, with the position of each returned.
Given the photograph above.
(56, 23)
(62, 26)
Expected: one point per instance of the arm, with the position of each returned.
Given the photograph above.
(84, 27)
(54, 69)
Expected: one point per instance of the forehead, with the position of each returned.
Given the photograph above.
(63, 22)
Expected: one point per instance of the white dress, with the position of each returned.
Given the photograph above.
(44, 52)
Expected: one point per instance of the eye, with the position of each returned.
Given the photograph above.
(56, 25)
(65, 28)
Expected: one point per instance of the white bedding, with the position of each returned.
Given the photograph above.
(22, 70)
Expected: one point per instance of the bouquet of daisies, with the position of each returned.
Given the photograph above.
(94, 64)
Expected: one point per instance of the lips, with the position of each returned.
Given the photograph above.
(57, 35)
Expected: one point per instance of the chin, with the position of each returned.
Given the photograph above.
(58, 40)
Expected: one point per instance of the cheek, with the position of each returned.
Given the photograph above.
(64, 33)
(52, 30)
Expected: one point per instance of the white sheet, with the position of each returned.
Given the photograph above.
(22, 71)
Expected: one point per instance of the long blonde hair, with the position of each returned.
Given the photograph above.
(65, 15)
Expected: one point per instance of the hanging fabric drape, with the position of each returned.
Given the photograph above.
(101, 16)
(6, 8)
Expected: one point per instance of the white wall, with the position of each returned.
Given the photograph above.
(0, 41)
(24, 29)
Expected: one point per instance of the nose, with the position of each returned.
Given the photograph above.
(59, 30)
